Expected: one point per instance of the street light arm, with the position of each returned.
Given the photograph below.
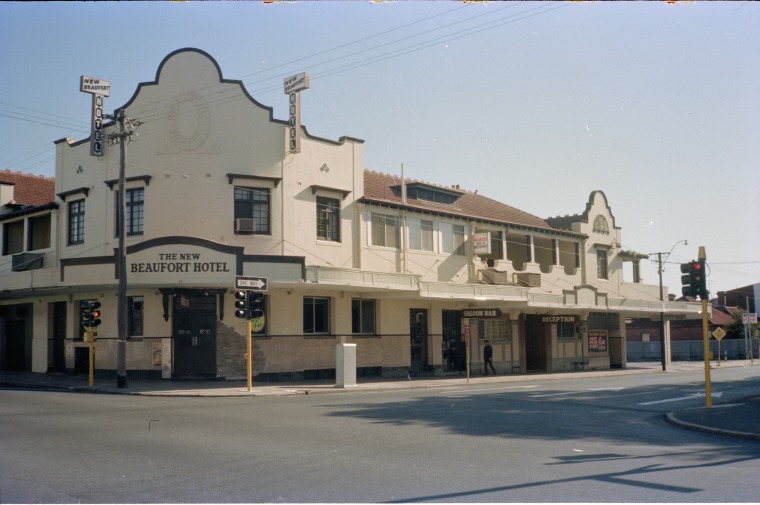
(667, 255)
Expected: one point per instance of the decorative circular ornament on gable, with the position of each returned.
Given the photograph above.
(189, 122)
(600, 225)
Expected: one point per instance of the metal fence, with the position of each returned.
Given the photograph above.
(690, 350)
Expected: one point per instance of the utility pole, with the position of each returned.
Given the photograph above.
(662, 317)
(663, 348)
(121, 138)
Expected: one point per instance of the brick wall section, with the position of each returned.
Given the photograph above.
(230, 353)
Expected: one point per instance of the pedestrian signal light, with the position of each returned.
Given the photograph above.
(241, 304)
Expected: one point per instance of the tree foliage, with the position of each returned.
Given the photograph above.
(736, 328)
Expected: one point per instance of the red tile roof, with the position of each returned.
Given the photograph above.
(379, 189)
(28, 189)
(720, 318)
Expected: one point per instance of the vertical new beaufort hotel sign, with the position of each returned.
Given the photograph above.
(99, 89)
(293, 86)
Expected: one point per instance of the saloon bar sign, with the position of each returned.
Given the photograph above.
(481, 313)
(99, 89)
(293, 86)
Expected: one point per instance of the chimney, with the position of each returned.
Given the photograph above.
(6, 193)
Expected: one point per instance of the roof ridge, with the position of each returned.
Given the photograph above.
(22, 174)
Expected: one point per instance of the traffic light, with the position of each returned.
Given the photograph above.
(693, 281)
(698, 280)
(241, 304)
(255, 305)
(90, 313)
(85, 312)
(258, 312)
(94, 314)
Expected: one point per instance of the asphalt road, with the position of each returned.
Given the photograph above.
(589, 440)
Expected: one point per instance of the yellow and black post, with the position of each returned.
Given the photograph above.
(702, 288)
(249, 352)
(89, 336)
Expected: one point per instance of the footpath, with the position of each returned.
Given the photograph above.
(737, 419)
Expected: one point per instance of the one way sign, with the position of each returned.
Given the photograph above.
(251, 283)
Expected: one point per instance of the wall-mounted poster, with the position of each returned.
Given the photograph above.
(597, 340)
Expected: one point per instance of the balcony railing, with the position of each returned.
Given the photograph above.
(343, 276)
(472, 291)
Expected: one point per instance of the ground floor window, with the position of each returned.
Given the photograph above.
(135, 319)
(363, 316)
(494, 329)
(316, 315)
(566, 330)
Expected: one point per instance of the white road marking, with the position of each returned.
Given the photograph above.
(680, 398)
(579, 392)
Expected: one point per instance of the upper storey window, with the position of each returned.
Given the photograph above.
(385, 231)
(76, 222)
(452, 239)
(601, 264)
(328, 219)
(134, 212)
(252, 211)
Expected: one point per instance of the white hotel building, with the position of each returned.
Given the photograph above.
(404, 269)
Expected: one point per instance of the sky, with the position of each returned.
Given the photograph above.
(533, 104)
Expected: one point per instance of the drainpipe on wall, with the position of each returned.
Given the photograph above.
(405, 234)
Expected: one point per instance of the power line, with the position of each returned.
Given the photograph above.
(138, 111)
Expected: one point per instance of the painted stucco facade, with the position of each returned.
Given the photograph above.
(417, 274)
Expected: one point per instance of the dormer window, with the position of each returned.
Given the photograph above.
(431, 194)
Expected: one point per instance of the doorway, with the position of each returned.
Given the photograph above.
(537, 338)
(14, 346)
(418, 334)
(454, 352)
(194, 332)
(59, 337)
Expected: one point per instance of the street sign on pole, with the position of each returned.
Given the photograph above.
(719, 333)
(251, 283)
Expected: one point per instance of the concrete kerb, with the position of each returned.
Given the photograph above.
(671, 417)
(290, 389)
(380, 385)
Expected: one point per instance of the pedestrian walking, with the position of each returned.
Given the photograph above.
(488, 357)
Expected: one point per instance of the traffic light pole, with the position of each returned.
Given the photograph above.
(243, 309)
(91, 340)
(705, 338)
(248, 353)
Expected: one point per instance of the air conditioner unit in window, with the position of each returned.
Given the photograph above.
(245, 225)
